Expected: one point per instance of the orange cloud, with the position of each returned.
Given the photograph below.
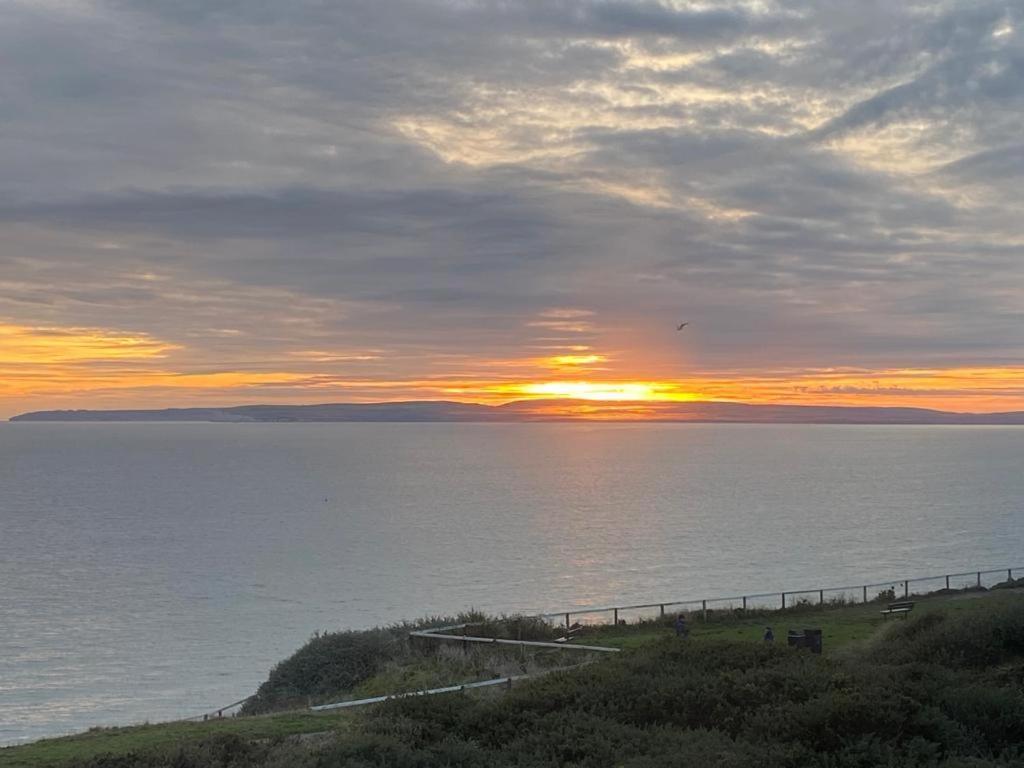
(33, 345)
(563, 361)
(70, 381)
(81, 367)
(566, 313)
(40, 361)
(327, 356)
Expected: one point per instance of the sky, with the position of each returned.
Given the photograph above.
(220, 202)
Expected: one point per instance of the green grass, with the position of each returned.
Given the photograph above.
(854, 631)
(145, 738)
(349, 664)
(939, 690)
(841, 626)
(481, 663)
(401, 674)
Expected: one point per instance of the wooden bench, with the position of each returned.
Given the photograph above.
(898, 608)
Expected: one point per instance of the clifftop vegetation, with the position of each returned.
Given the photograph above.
(942, 689)
(349, 664)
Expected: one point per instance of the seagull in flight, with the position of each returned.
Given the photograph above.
(681, 326)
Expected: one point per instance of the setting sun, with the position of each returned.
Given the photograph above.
(585, 390)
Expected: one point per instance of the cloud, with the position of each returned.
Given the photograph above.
(22, 345)
(987, 166)
(296, 187)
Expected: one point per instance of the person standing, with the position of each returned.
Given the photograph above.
(769, 636)
(682, 630)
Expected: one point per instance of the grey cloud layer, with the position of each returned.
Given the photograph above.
(818, 183)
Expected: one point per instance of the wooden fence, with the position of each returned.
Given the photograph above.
(791, 597)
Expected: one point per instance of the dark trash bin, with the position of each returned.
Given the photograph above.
(807, 638)
(812, 640)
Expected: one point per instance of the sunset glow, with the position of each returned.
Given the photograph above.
(610, 390)
(25, 345)
(78, 367)
(529, 215)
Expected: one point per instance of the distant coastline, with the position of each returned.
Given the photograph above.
(538, 411)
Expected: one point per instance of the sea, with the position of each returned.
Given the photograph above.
(153, 571)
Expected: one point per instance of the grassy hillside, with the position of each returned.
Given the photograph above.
(168, 737)
(943, 688)
(336, 666)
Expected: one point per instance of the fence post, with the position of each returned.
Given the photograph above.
(1009, 574)
(906, 589)
(783, 601)
(744, 602)
(615, 616)
(821, 597)
(704, 609)
(865, 593)
(662, 607)
(567, 621)
(979, 578)
(947, 582)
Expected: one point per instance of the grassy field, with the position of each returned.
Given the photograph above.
(840, 625)
(847, 630)
(100, 741)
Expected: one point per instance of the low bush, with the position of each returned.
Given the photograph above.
(940, 690)
(1009, 584)
(965, 639)
(336, 664)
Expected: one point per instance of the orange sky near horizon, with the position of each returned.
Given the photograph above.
(489, 202)
(44, 368)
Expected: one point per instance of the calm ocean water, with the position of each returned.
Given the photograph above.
(151, 571)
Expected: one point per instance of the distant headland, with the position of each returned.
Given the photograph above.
(540, 411)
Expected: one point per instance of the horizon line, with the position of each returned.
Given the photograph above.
(532, 410)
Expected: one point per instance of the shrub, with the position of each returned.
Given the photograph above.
(329, 663)
(333, 664)
(927, 694)
(968, 639)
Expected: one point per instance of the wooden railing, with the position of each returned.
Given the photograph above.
(792, 597)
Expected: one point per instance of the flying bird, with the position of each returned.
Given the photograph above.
(681, 326)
